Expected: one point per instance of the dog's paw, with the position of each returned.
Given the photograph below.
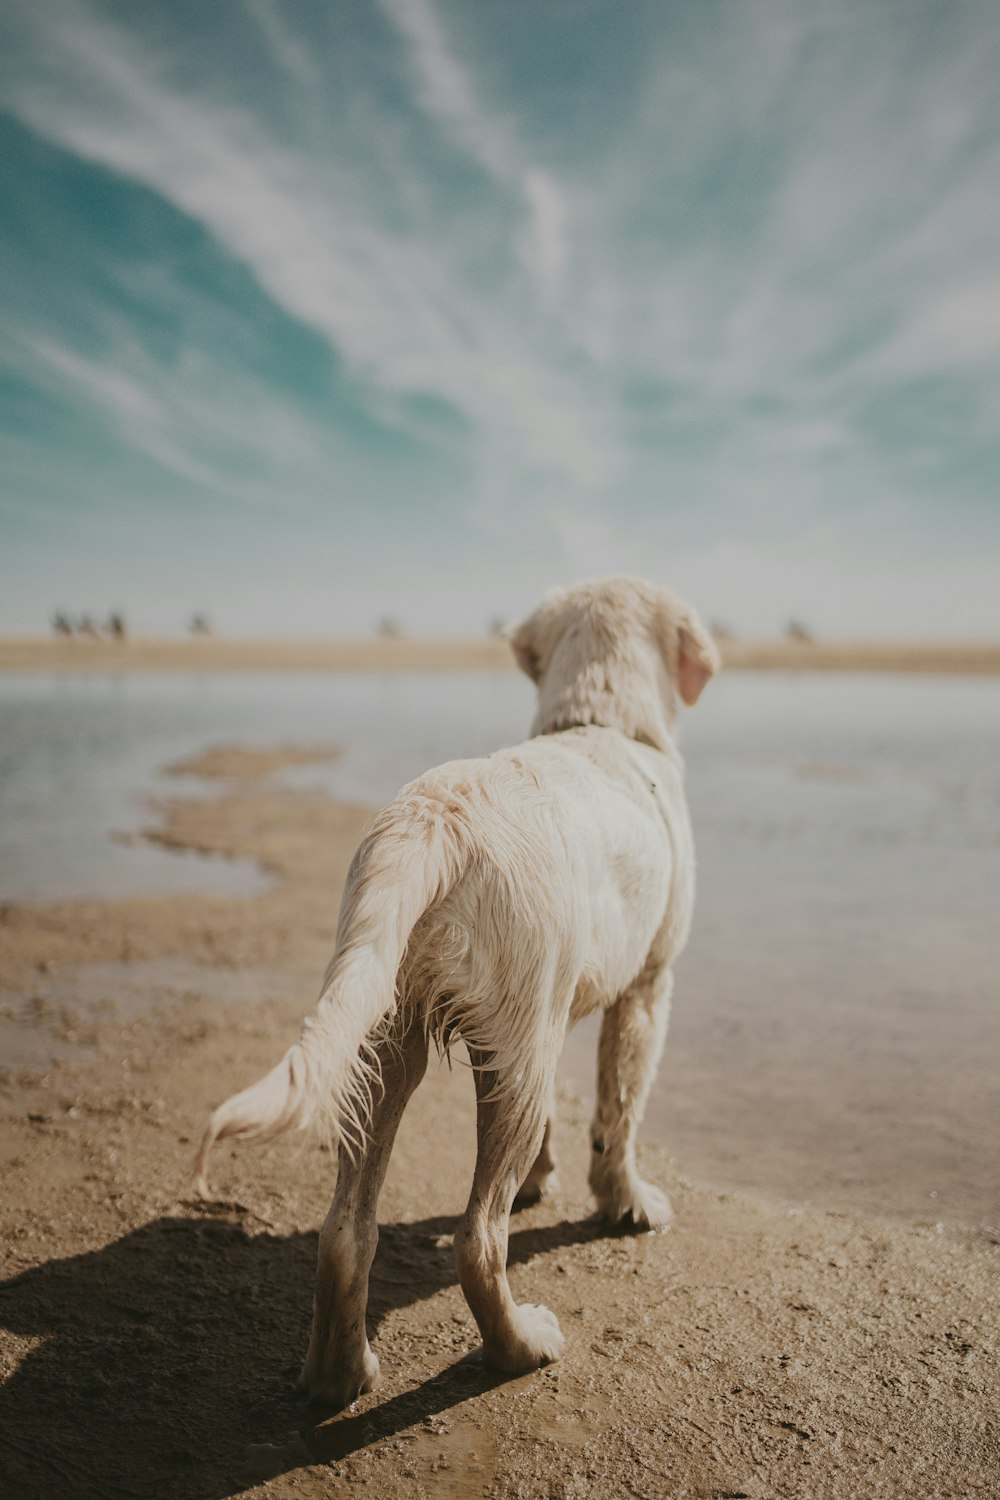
(540, 1328)
(536, 1340)
(649, 1208)
(342, 1386)
(640, 1205)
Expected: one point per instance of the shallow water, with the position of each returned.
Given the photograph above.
(80, 759)
(836, 1025)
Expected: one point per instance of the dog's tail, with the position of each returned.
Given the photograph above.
(409, 860)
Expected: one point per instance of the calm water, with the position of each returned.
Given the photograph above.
(80, 759)
(836, 1030)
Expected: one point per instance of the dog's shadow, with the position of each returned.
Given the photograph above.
(154, 1363)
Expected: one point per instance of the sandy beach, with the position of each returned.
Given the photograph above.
(402, 654)
(149, 1344)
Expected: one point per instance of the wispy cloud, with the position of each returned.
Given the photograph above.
(191, 423)
(707, 308)
(446, 90)
(395, 305)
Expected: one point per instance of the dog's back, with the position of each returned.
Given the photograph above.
(567, 883)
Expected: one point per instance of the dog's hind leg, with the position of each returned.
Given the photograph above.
(632, 1036)
(510, 1127)
(340, 1364)
(541, 1179)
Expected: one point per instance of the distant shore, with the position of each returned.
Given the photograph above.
(403, 654)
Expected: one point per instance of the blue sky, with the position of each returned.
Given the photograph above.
(315, 312)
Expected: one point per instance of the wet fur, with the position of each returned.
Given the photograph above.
(498, 901)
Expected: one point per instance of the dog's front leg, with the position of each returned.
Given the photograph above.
(633, 1032)
(340, 1365)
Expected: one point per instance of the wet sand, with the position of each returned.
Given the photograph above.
(401, 654)
(149, 1345)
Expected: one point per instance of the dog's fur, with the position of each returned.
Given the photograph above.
(498, 901)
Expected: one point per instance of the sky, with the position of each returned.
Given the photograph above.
(313, 313)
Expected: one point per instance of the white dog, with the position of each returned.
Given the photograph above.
(498, 901)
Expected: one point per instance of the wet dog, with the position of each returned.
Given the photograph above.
(497, 901)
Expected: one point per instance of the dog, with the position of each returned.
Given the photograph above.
(497, 901)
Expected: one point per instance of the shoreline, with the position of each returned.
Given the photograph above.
(402, 654)
(150, 1344)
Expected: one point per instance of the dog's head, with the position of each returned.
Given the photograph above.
(615, 651)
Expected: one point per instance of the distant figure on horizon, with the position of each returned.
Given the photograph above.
(199, 625)
(796, 631)
(116, 625)
(62, 624)
(389, 626)
(85, 626)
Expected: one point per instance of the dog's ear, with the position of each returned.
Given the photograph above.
(689, 651)
(697, 656)
(534, 640)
